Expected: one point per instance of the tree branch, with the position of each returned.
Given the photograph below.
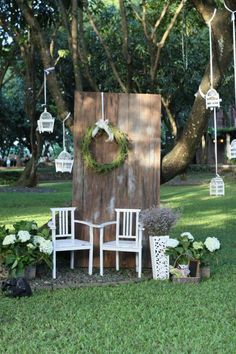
(125, 46)
(107, 51)
(47, 61)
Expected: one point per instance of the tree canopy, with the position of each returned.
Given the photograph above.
(120, 46)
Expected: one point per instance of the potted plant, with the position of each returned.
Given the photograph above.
(206, 251)
(184, 249)
(181, 251)
(25, 248)
(157, 222)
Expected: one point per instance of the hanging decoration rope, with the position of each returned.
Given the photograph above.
(46, 121)
(234, 47)
(64, 162)
(213, 102)
(114, 134)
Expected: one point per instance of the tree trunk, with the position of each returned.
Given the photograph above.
(183, 152)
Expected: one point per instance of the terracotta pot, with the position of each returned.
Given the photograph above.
(205, 272)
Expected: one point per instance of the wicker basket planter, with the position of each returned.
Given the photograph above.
(187, 280)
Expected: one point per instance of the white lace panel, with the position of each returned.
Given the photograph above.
(160, 262)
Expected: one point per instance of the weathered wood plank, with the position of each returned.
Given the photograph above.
(133, 185)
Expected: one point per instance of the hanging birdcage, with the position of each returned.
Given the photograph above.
(64, 162)
(233, 149)
(46, 122)
(212, 99)
(217, 186)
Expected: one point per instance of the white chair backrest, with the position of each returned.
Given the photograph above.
(127, 227)
(233, 149)
(64, 223)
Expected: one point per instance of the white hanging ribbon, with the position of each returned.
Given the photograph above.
(63, 126)
(46, 72)
(216, 159)
(103, 124)
(211, 55)
(234, 46)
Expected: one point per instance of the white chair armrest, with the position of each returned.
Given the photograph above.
(107, 224)
(87, 223)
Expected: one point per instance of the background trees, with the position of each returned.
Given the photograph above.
(125, 46)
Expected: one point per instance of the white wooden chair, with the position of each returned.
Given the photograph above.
(128, 237)
(63, 236)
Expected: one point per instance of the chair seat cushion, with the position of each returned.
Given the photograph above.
(121, 245)
(71, 244)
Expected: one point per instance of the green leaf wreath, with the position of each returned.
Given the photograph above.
(119, 137)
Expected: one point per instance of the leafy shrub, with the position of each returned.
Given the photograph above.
(26, 246)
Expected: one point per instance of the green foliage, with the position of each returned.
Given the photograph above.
(8, 177)
(119, 137)
(24, 247)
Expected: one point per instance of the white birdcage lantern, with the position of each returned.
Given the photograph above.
(212, 99)
(46, 122)
(64, 161)
(233, 149)
(217, 186)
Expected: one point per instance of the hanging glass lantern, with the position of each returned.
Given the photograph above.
(46, 122)
(217, 186)
(212, 99)
(64, 162)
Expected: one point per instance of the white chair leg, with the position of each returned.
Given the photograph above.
(137, 261)
(72, 259)
(140, 264)
(54, 265)
(101, 261)
(90, 270)
(117, 260)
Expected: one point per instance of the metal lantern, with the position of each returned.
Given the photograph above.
(212, 99)
(46, 122)
(233, 149)
(64, 162)
(217, 186)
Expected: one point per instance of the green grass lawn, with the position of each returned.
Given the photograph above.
(16, 206)
(149, 317)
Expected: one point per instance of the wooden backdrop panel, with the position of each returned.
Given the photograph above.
(135, 184)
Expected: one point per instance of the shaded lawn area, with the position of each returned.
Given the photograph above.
(16, 206)
(149, 317)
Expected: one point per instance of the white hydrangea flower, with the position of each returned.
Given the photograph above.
(172, 243)
(212, 244)
(198, 245)
(24, 236)
(46, 246)
(9, 240)
(188, 235)
(38, 240)
(31, 246)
